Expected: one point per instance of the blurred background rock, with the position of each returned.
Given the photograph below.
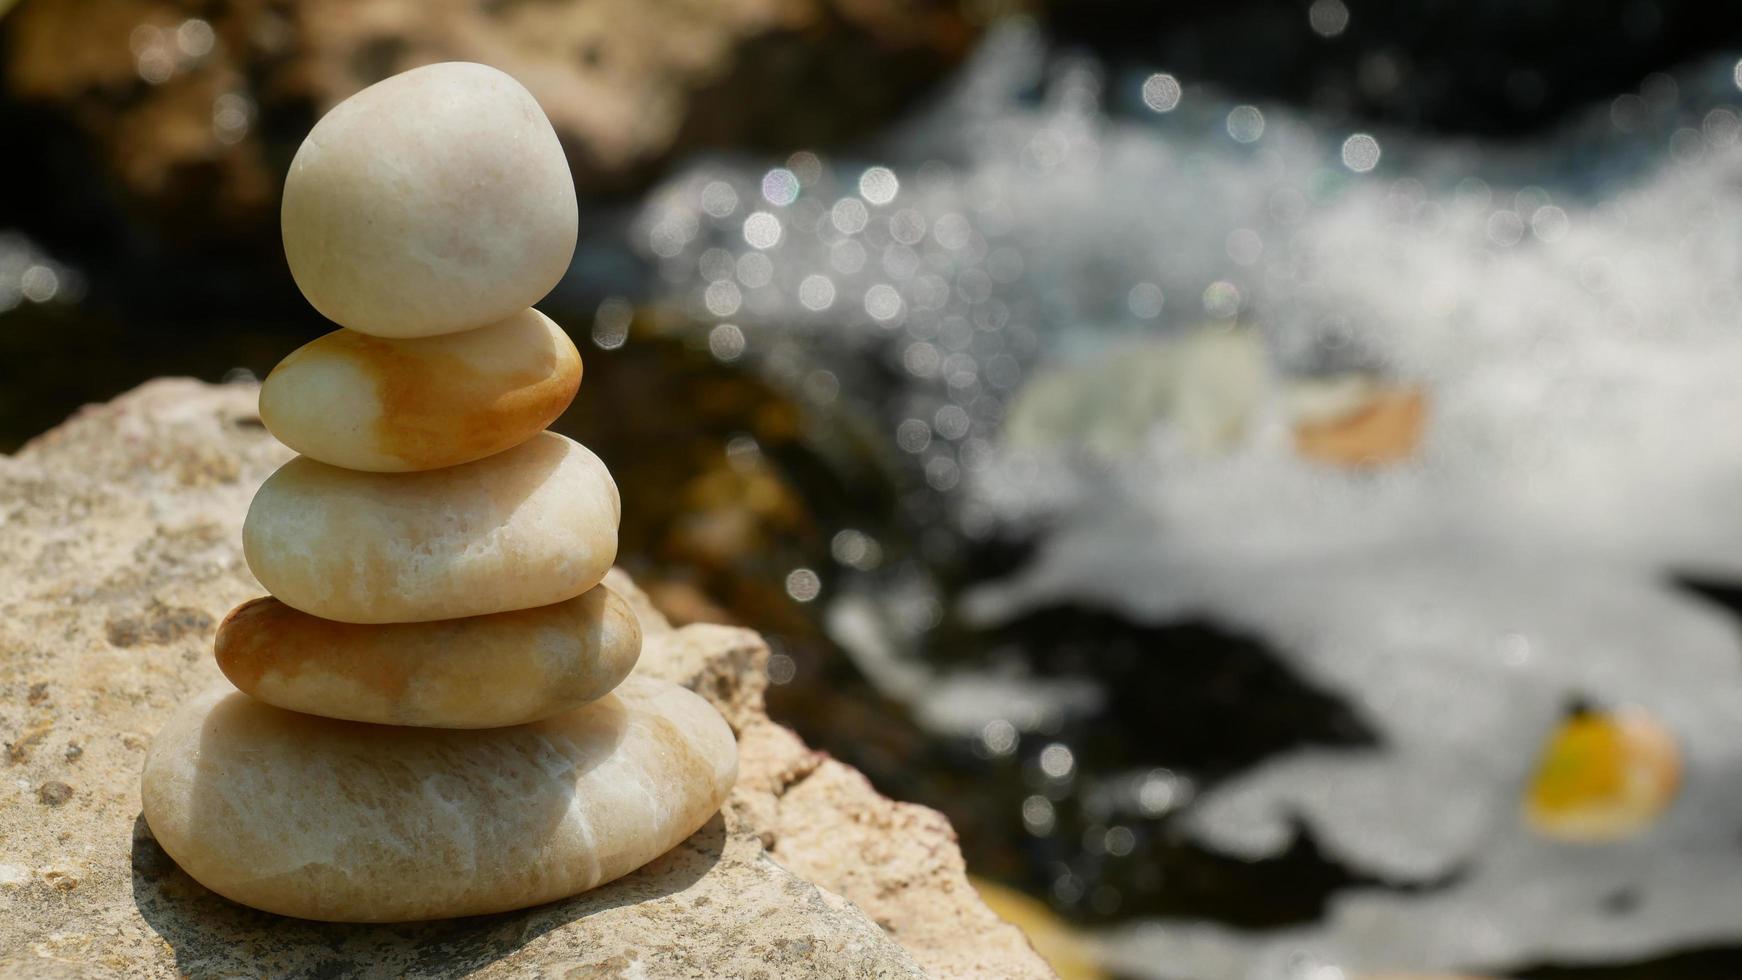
(192, 110)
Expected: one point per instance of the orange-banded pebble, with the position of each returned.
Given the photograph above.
(479, 672)
(387, 406)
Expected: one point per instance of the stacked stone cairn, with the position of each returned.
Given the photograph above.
(436, 714)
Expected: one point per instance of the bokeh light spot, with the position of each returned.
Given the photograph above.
(762, 230)
(879, 185)
(780, 187)
(1161, 92)
(726, 342)
(803, 584)
(1328, 18)
(1246, 124)
(1360, 153)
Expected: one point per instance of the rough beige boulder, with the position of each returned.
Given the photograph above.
(390, 406)
(120, 530)
(477, 672)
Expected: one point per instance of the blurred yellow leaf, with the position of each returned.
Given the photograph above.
(1053, 938)
(1604, 776)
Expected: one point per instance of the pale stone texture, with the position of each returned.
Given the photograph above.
(389, 406)
(477, 672)
(348, 822)
(534, 525)
(433, 201)
(120, 534)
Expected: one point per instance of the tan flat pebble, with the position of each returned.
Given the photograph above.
(345, 821)
(434, 201)
(1379, 426)
(388, 406)
(527, 527)
(479, 672)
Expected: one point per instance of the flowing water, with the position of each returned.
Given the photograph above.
(1330, 684)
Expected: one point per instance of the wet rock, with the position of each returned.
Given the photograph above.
(1204, 387)
(101, 523)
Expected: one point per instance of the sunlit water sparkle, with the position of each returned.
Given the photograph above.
(1570, 307)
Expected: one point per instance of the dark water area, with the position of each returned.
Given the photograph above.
(1486, 67)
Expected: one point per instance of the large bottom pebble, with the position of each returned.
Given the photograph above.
(351, 822)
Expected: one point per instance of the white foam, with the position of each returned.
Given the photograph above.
(1575, 320)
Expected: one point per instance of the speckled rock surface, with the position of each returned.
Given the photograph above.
(120, 532)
